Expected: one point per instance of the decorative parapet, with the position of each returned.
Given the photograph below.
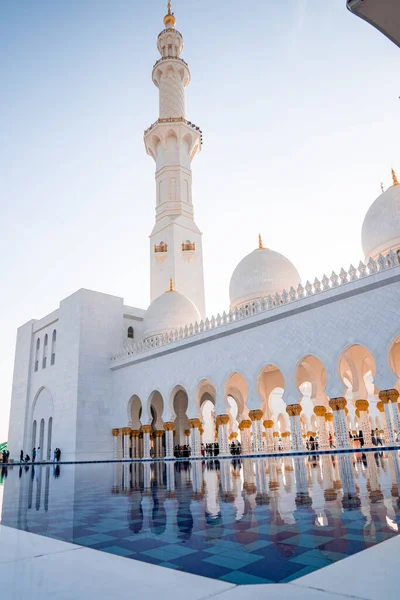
(188, 246)
(383, 263)
(175, 120)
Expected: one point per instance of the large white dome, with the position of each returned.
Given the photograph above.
(381, 227)
(169, 312)
(261, 273)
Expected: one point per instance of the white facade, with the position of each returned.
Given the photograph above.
(102, 380)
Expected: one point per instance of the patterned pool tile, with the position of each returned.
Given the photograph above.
(252, 521)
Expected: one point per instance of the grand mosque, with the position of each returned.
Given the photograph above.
(287, 359)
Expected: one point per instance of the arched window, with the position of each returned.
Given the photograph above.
(37, 355)
(46, 343)
(53, 347)
(131, 333)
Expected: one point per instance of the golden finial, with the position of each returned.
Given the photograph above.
(382, 188)
(394, 177)
(169, 19)
(260, 244)
(171, 285)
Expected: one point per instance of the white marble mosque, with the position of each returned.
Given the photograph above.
(287, 359)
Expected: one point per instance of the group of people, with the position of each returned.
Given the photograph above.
(182, 451)
(37, 456)
(5, 456)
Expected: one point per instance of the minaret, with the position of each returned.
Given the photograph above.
(173, 142)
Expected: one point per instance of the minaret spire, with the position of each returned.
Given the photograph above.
(169, 19)
(173, 142)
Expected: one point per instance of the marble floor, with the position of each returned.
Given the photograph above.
(33, 567)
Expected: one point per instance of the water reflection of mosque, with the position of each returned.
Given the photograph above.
(354, 498)
(351, 501)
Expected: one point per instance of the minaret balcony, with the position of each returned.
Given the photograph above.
(188, 246)
(164, 58)
(162, 248)
(175, 120)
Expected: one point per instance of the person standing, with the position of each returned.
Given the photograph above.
(33, 455)
(21, 456)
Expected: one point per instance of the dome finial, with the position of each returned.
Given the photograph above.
(171, 285)
(260, 242)
(169, 19)
(394, 177)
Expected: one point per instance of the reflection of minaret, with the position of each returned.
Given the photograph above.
(173, 142)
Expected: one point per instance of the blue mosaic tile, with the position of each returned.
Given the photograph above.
(209, 518)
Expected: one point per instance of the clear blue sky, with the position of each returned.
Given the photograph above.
(298, 102)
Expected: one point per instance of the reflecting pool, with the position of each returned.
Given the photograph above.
(245, 521)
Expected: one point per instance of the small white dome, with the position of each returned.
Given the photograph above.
(169, 312)
(381, 227)
(261, 273)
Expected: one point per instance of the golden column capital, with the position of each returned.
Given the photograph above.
(222, 420)
(187, 432)
(146, 428)
(387, 396)
(126, 431)
(294, 410)
(115, 432)
(268, 424)
(380, 407)
(256, 415)
(194, 423)
(276, 434)
(169, 426)
(246, 424)
(135, 433)
(338, 403)
(362, 404)
(286, 434)
(319, 411)
(358, 415)
(329, 417)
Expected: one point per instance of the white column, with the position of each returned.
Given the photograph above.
(115, 433)
(286, 441)
(294, 412)
(256, 416)
(320, 412)
(126, 432)
(389, 399)
(146, 441)
(222, 424)
(384, 397)
(362, 407)
(269, 440)
(244, 427)
(169, 439)
(338, 406)
(329, 424)
(195, 425)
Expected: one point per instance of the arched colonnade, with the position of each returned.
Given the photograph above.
(262, 416)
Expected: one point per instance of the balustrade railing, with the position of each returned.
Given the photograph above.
(383, 263)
